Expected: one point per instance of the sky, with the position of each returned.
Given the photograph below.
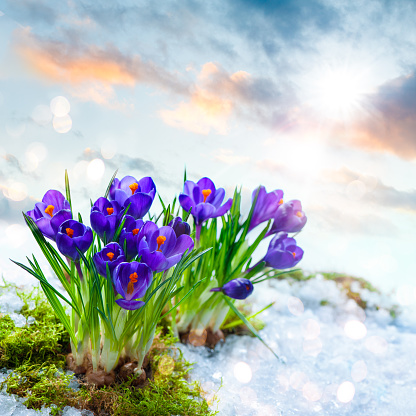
(317, 98)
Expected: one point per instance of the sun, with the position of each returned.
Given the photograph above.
(337, 93)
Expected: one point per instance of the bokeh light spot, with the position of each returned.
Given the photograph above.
(345, 392)
(62, 124)
(312, 347)
(39, 150)
(355, 329)
(60, 106)
(359, 371)
(295, 306)
(311, 329)
(109, 149)
(298, 379)
(16, 191)
(42, 115)
(242, 372)
(95, 169)
(15, 127)
(16, 235)
(377, 345)
(311, 392)
(197, 337)
(166, 365)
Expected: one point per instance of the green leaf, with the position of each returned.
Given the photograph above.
(239, 321)
(250, 327)
(68, 189)
(110, 183)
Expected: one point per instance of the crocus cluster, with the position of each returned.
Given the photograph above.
(158, 248)
(127, 266)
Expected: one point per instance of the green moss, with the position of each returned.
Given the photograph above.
(44, 340)
(37, 355)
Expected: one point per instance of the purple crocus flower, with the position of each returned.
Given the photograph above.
(112, 254)
(283, 252)
(131, 280)
(104, 217)
(289, 217)
(160, 248)
(51, 213)
(266, 205)
(72, 235)
(204, 199)
(129, 236)
(239, 288)
(138, 194)
(180, 227)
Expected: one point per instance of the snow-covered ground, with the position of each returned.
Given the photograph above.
(339, 359)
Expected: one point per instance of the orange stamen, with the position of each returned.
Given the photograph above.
(135, 231)
(281, 202)
(206, 193)
(160, 240)
(247, 288)
(110, 211)
(110, 256)
(299, 214)
(294, 254)
(49, 209)
(133, 279)
(133, 187)
(69, 231)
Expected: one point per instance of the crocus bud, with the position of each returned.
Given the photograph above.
(180, 227)
(239, 288)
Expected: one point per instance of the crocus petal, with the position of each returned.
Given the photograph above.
(59, 218)
(56, 199)
(183, 243)
(170, 241)
(203, 212)
(186, 202)
(44, 225)
(206, 183)
(126, 182)
(216, 198)
(121, 196)
(222, 210)
(130, 305)
(188, 188)
(156, 260)
(147, 185)
(139, 205)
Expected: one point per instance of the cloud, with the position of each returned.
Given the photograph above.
(332, 219)
(283, 23)
(391, 124)
(374, 190)
(92, 70)
(30, 11)
(217, 95)
(228, 157)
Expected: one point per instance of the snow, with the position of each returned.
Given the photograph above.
(339, 359)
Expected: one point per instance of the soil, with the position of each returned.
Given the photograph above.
(101, 378)
(203, 337)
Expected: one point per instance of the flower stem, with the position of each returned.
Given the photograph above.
(79, 270)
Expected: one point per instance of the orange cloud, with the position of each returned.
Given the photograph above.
(216, 95)
(391, 123)
(91, 71)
